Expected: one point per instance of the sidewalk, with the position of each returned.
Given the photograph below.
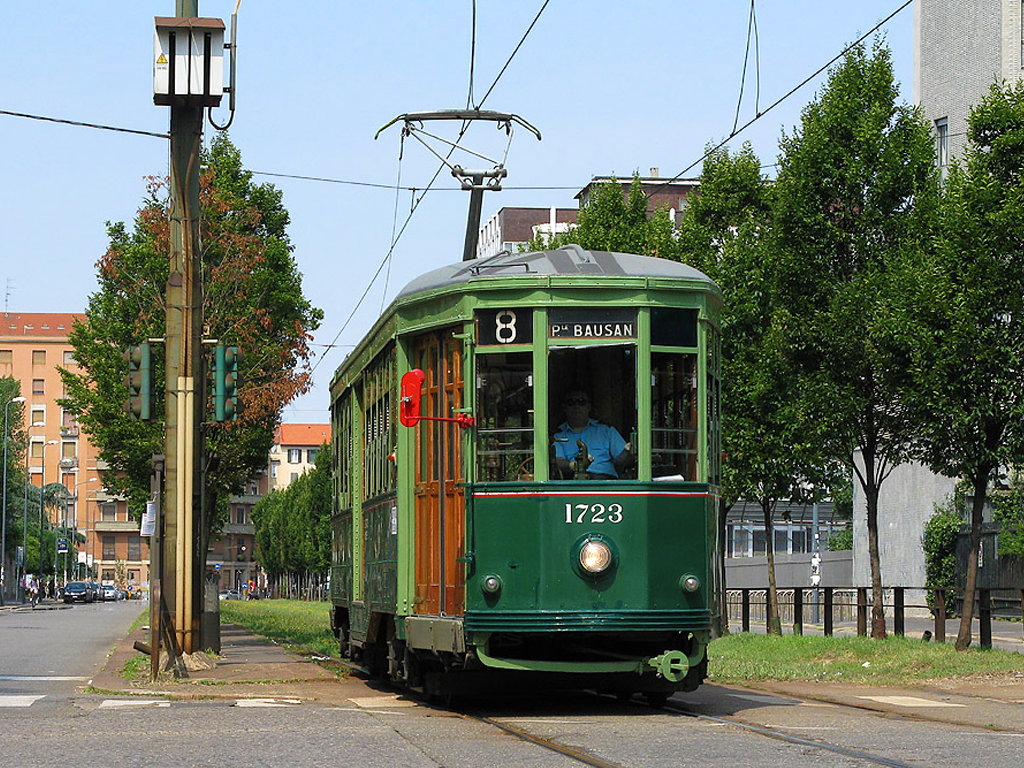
(248, 667)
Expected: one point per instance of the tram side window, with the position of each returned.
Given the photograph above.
(605, 378)
(504, 417)
(674, 415)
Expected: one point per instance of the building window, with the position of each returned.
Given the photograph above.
(108, 574)
(294, 477)
(38, 415)
(311, 454)
(108, 513)
(38, 357)
(69, 358)
(294, 455)
(273, 469)
(109, 548)
(942, 142)
(134, 548)
(68, 420)
(6, 362)
(68, 450)
(37, 449)
(38, 387)
(133, 577)
(241, 516)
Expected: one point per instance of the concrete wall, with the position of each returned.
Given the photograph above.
(907, 501)
(790, 571)
(961, 49)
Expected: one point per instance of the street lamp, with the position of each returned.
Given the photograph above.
(3, 534)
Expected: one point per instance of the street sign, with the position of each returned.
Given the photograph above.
(62, 546)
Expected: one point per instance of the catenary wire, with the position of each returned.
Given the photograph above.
(80, 124)
(776, 103)
(751, 29)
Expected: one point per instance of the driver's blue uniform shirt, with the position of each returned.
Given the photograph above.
(603, 441)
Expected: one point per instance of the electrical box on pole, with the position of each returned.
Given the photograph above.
(188, 61)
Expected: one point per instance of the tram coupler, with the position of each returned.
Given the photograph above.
(674, 665)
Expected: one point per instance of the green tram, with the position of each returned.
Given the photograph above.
(473, 537)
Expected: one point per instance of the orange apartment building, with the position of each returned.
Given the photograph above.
(32, 348)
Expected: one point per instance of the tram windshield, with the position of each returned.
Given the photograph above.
(592, 411)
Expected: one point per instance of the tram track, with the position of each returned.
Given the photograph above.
(585, 757)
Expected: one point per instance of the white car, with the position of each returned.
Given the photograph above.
(110, 593)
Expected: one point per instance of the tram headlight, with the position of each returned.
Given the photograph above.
(689, 583)
(490, 584)
(596, 556)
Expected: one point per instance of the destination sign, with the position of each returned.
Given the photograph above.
(590, 323)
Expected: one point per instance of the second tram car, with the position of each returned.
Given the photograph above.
(477, 534)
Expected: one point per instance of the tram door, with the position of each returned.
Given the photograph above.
(440, 499)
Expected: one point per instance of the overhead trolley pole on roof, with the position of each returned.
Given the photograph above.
(475, 181)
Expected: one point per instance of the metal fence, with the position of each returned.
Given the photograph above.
(831, 605)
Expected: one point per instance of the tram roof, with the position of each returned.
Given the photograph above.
(569, 261)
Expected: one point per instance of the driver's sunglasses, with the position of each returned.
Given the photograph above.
(577, 401)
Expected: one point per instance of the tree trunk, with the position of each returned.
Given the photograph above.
(774, 624)
(871, 498)
(963, 637)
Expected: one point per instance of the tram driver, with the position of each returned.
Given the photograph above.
(586, 448)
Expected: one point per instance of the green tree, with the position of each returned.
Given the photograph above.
(14, 440)
(611, 221)
(855, 194)
(962, 328)
(293, 526)
(253, 300)
(939, 545)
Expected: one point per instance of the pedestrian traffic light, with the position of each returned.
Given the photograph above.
(225, 384)
(140, 382)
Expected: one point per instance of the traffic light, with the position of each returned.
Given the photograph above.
(140, 382)
(225, 384)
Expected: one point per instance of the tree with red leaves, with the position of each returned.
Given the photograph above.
(253, 300)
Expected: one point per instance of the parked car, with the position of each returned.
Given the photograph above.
(110, 592)
(230, 594)
(79, 591)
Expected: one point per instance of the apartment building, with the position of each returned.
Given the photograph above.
(294, 452)
(33, 347)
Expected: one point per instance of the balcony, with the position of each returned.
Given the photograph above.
(69, 463)
(69, 431)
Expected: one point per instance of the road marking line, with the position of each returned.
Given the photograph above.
(380, 702)
(19, 701)
(910, 701)
(267, 702)
(40, 678)
(122, 703)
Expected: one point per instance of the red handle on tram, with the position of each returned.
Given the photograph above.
(409, 404)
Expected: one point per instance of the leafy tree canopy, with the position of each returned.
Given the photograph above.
(252, 299)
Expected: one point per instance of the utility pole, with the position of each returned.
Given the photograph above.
(183, 414)
(188, 74)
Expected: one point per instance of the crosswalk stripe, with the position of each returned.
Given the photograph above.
(42, 678)
(124, 703)
(267, 702)
(910, 701)
(19, 701)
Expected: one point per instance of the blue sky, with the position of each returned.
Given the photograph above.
(614, 87)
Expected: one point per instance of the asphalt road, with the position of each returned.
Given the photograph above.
(46, 657)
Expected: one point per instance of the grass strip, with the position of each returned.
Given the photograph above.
(742, 658)
(307, 624)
